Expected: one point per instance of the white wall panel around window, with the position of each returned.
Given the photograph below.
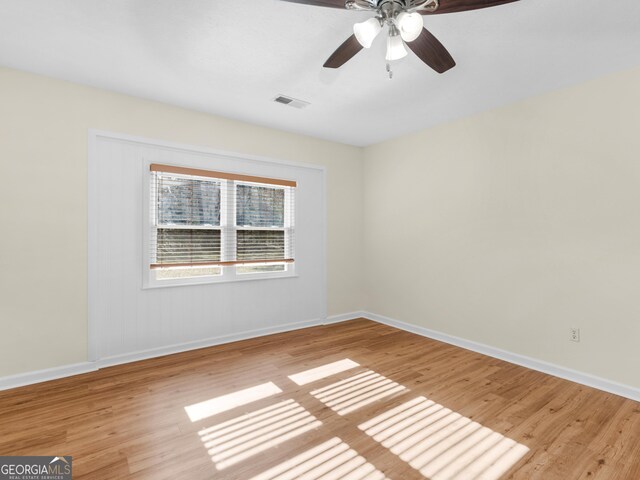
(127, 319)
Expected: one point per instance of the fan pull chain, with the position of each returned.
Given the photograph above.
(389, 71)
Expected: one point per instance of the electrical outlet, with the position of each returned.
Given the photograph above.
(574, 334)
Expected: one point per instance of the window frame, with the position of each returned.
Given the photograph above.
(227, 228)
(288, 228)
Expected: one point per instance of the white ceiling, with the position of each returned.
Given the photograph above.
(231, 57)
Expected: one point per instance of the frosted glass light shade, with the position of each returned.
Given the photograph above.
(395, 48)
(410, 25)
(366, 32)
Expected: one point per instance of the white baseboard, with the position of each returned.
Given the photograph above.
(344, 317)
(37, 376)
(522, 360)
(30, 378)
(208, 342)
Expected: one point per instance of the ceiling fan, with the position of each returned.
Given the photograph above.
(404, 22)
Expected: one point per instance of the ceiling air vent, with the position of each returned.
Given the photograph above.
(291, 102)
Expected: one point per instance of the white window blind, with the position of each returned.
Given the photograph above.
(204, 222)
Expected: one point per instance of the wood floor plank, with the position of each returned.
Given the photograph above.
(437, 410)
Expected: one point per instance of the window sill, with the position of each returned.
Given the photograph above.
(214, 281)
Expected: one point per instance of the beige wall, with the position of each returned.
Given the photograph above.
(43, 206)
(506, 228)
(512, 226)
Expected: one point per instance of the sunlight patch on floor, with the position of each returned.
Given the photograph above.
(223, 403)
(442, 444)
(315, 374)
(236, 440)
(332, 460)
(355, 392)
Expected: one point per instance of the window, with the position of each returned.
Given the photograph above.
(214, 226)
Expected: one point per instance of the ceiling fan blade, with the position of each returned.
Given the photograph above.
(344, 53)
(429, 49)
(320, 3)
(452, 6)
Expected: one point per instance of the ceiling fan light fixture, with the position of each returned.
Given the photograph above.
(410, 25)
(366, 32)
(395, 46)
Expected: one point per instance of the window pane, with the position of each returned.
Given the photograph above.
(259, 206)
(260, 244)
(187, 272)
(188, 201)
(269, 267)
(183, 245)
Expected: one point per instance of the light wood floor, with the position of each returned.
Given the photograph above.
(413, 408)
